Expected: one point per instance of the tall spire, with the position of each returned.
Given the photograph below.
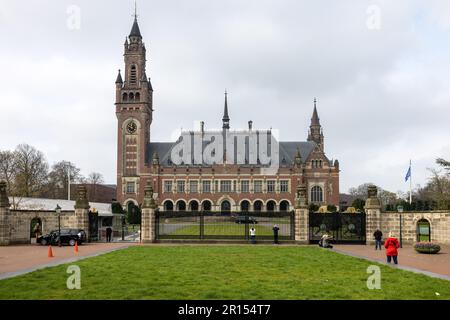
(135, 31)
(315, 118)
(226, 118)
(315, 129)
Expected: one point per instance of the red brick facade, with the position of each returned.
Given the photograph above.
(140, 160)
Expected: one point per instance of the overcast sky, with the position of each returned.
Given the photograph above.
(379, 69)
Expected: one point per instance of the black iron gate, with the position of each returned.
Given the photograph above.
(343, 227)
(173, 225)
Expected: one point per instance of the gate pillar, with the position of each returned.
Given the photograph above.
(301, 216)
(5, 238)
(82, 210)
(148, 222)
(373, 214)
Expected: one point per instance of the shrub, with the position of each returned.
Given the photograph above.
(427, 247)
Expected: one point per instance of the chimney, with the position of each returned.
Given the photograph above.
(250, 125)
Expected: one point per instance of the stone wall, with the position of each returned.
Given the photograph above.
(439, 225)
(20, 223)
(390, 222)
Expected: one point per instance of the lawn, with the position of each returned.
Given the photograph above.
(223, 272)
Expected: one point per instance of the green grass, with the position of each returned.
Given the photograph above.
(231, 229)
(223, 272)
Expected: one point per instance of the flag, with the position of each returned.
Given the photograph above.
(408, 174)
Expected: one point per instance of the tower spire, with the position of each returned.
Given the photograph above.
(315, 118)
(135, 31)
(315, 129)
(226, 118)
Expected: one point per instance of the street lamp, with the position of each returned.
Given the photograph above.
(58, 212)
(400, 210)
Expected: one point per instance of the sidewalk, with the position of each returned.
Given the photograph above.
(407, 257)
(20, 259)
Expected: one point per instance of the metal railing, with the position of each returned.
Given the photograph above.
(223, 225)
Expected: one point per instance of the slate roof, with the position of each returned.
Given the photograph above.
(135, 31)
(103, 209)
(288, 150)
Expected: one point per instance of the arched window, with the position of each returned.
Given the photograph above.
(284, 205)
(168, 205)
(133, 74)
(225, 206)
(181, 205)
(193, 205)
(131, 96)
(271, 205)
(245, 206)
(206, 205)
(257, 206)
(423, 231)
(137, 97)
(130, 206)
(125, 97)
(316, 194)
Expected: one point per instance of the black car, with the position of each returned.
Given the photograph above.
(68, 236)
(244, 219)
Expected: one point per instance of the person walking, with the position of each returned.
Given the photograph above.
(378, 235)
(108, 234)
(275, 234)
(253, 235)
(391, 246)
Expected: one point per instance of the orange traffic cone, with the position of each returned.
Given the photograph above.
(50, 252)
(76, 247)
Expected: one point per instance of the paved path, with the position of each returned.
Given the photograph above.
(19, 259)
(408, 258)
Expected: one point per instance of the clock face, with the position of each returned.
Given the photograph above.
(131, 127)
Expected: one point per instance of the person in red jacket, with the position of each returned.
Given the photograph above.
(391, 246)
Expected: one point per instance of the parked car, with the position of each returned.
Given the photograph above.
(68, 236)
(245, 219)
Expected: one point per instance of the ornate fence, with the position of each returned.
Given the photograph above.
(343, 227)
(223, 225)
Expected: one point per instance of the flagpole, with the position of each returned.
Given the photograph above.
(410, 184)
(68, 183)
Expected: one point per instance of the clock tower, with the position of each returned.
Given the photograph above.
(134, 109)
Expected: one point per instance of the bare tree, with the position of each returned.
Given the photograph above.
(32, 168)
(8, 169)
(95, 178)
(58, 179)
(8, 173)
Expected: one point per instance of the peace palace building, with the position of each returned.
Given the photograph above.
(210, 187)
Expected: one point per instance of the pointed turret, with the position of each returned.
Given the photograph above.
(226, 118)
(119, 78)
(315, 118)
(315, 129)
(135, 31)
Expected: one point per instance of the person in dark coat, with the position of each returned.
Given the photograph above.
(378, 235)
(275, 234)
(108, 234)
